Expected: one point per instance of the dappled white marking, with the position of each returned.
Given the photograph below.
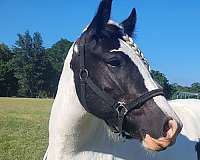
(109, 22)
(116, 50)
(115, 23)
(76, 48)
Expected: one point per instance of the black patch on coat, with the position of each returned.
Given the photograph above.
(116, 74)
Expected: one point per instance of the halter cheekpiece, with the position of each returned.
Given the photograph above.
(121, 108)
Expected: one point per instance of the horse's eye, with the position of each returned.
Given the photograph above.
(114, 62)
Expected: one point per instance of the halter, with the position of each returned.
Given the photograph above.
(120, 107)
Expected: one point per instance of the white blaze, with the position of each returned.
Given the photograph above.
(148, 80)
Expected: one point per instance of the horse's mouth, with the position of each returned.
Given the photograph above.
(162, 143)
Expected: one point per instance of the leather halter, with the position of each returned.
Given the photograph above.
(121, 108)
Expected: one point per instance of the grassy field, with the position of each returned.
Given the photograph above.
(23, 128)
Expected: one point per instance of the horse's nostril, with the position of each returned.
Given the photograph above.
(171, 129)
(166, 127)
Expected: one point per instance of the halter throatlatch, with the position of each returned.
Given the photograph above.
(119, 107)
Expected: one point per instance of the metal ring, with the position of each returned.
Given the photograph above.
(83, 74)
(120, 107)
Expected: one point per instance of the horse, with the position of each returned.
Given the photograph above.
(108, 107)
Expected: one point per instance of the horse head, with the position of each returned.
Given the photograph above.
(113, 82)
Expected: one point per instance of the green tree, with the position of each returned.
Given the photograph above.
(169, 89)
(30, 61)
(39, 65)
(23, 53)
(195, 87)
(24, 45)
(57, 53)
(38, 69)
(8, 82)
(5, 52)
(56, 56)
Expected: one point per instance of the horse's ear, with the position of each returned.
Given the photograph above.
(130, 22)
(102, 17)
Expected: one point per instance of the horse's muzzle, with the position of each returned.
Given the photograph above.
(167, 140)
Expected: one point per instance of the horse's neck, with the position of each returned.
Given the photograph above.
(76, 134)
(71, 128)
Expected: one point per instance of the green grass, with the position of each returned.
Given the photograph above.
(23, 128)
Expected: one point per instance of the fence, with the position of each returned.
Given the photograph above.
(186, 95)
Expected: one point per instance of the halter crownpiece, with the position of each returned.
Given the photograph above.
(120, 108)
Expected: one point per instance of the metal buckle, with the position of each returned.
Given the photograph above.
(121, 108)
(83, 74)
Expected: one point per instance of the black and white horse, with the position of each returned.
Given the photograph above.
(106, 90)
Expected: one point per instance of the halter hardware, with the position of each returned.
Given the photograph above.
(119, 107)
(83, 74)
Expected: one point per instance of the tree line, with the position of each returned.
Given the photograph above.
(28, 69)
(171, 90)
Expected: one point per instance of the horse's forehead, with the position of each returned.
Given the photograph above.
(110, 36)
(105, 45)
(124, 49)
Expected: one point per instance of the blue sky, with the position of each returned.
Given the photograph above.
(168, 31)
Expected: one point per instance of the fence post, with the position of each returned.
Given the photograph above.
(197, 148)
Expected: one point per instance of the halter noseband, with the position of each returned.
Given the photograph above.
(121, 108)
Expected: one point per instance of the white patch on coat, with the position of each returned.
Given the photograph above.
(85, 29)
(109, 22)
(76, 48)
(148, 80)
(188, 111)
(75, 134)
(115, 24)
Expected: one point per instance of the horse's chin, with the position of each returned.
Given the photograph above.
(162, 143)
